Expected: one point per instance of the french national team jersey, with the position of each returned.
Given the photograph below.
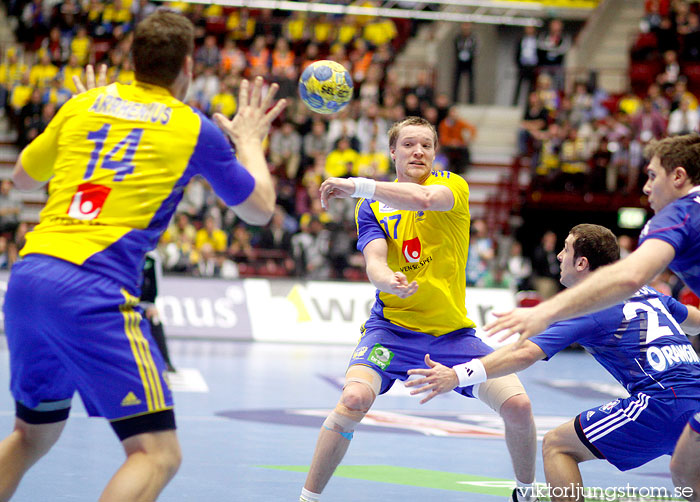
(639, 342)
(118, 159)
(679, 225)
(429, 247)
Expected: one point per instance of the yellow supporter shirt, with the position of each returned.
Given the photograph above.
(81, 48)
(429, 247)
(41, 75)
(217, 239)
(223, 103)
(20, 96)
(342, 163)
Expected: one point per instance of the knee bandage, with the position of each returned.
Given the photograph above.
(343, 420)
(497, 391)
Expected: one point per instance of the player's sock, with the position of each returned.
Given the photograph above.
(307, 496)
(524, 492)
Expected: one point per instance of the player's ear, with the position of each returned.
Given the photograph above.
(582, 263)
(188, 65)
(680, 176)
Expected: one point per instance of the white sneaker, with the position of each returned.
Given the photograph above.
(518, 496)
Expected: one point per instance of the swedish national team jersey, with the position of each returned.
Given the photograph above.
(429, 247)
(679, 225)
(119, 158)
(639, 342)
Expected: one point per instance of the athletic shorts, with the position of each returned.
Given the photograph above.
(69, 330)
(627, 432)
(392, 350)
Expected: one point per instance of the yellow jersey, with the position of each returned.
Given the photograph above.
(429, 247)
(119, 158)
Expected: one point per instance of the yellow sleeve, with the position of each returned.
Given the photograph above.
(459, 188)
(39, 156)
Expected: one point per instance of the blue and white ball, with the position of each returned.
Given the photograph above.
(325, 86)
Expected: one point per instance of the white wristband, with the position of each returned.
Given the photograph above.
(470, 373)
(364, 188)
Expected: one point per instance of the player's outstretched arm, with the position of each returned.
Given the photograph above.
(381, 276)
(405, 196)
(603, 288)
(438, 379)
(247, 131)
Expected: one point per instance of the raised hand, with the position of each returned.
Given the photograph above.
(254, 116)
(90, 81)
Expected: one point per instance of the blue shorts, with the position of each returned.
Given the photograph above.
(69, 330)
(392, 350)
(626, 432)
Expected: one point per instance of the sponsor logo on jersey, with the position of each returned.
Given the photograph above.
(381, 356)
(607, 408)
(87, 202)
(420, 215)
(131, 400)
(411, 250)
(359, 352)
(590, 414)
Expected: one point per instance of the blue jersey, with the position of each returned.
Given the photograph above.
(639, 342)
(679, 225)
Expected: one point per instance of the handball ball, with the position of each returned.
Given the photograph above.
(325, 86)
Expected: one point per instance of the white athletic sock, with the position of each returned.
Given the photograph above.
(307, 496)
(526, 489)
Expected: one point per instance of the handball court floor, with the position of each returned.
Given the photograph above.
(248, 416)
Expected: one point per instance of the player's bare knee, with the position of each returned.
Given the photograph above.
(517, 412)
(684, 473)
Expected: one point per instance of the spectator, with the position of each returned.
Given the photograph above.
(212, 235)
(533, 125)
(374, 162)
(526, 61)
(423, 89)
(481, 252)
(285, 148)
(240, 249)
(372, 127)
(224, 101)
(56, 46)
(519, 267)
(465, 53)
(10, 209)
(552, 47)
(208, 55)
(81, 45)
(546, 266)
(683, 120)
(310, 250)
(233, 59)
(455, 136)
(496, 276)
(41, 74)
(342, 160)
(315, 143)
(241, 25)
(648, 124)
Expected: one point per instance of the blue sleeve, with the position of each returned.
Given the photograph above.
(670, 225)
(368, 228)
(214, 159)
(562, 334)
(676, 309)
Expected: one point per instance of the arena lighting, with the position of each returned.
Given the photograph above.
(356, 10)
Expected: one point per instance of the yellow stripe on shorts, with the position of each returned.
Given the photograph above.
(148, 371)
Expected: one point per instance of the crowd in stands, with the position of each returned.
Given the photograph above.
(580, 139)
